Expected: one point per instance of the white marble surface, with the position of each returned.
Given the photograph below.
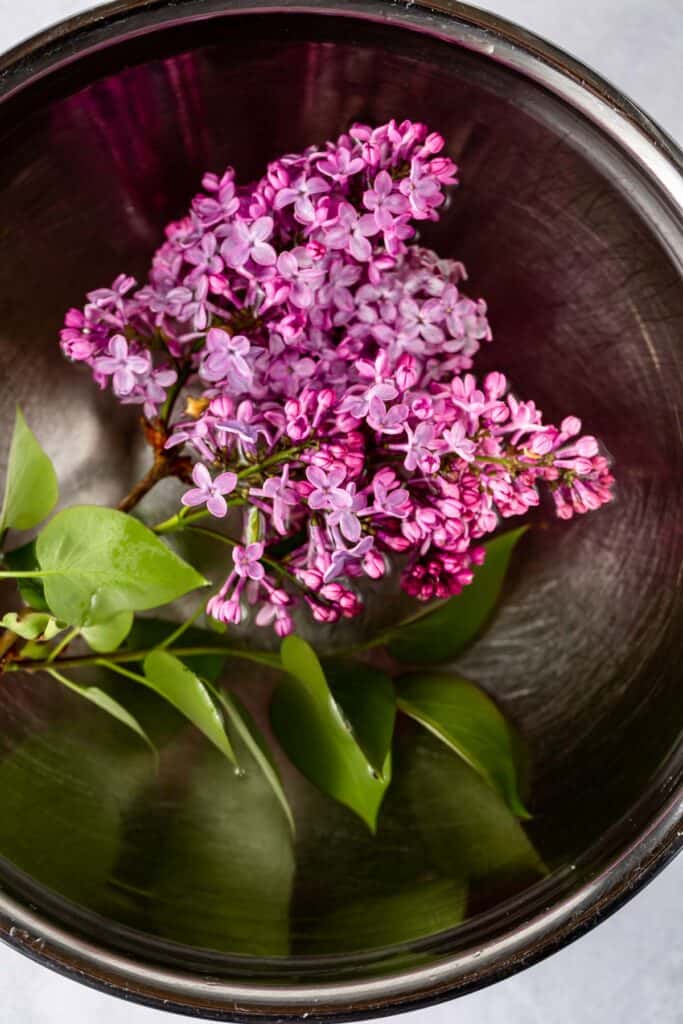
(629, 970)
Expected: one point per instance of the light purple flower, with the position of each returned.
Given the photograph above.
(458, 442)
(279, 491)
(249, 241)
(421, 321)
(387, 421)
(225, 359)
(210, 492)
(340, 165)
(247, 561)
(327, 493)
(150, 391)
(342, 557)
(124, 366)
(300, 194)
(385, 203)
(421, 449)
(352, 232)
(422, 190)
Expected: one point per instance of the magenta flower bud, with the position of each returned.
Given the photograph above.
(570, 426)
(374, 565)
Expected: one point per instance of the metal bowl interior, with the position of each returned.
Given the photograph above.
(576, 243)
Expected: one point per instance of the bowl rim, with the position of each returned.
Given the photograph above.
(627, 870)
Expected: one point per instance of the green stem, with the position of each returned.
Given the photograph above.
(29, 574)
(135, 676)
(262, 658)
(179, 520)
(497, 460)
(272, 460)
(64, 642)
(177, 633)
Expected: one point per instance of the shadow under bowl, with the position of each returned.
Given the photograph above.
(569, 222)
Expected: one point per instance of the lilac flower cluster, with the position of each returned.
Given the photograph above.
(328, 396)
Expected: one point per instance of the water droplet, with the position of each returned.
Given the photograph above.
(475, 956)
(239, 772)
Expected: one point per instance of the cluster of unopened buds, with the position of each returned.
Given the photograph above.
(324, 360)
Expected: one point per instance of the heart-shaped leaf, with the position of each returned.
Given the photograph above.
(97, 562)
(442, 634)
(467, 721)
(31, 490)
(107, 636)
(466, 826)
(367, 699)
(319, 739)
(185, 691)
(224, 881)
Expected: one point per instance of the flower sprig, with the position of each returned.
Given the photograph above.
(325, 361)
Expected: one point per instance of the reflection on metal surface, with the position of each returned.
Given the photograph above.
(567, 222)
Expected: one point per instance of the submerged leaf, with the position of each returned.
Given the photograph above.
(245, 727)
(106, 703)
(31, 489)
(466, 720)
(224, 881)
(63, 794)
(425, 909)
(467, 828)
(442, 634)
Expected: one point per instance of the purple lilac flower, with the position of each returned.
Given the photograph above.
(210, 492)
(247, 561)
(125, 367)
(327, 361)
(246, 241)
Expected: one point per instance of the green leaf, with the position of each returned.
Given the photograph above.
(151, 632)
(442, 634)
(224, 881)
(34, 626)
(366, 698)
(63, 793)
(466, 720)
(405, 916)
(245, 727)
(185, 691)
(97, 562)
(106, 703)
(318, 738)
(31, 490)
(32, 591)
(467, 828)
(107, 636)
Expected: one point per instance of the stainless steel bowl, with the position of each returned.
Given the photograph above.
(569, 220)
